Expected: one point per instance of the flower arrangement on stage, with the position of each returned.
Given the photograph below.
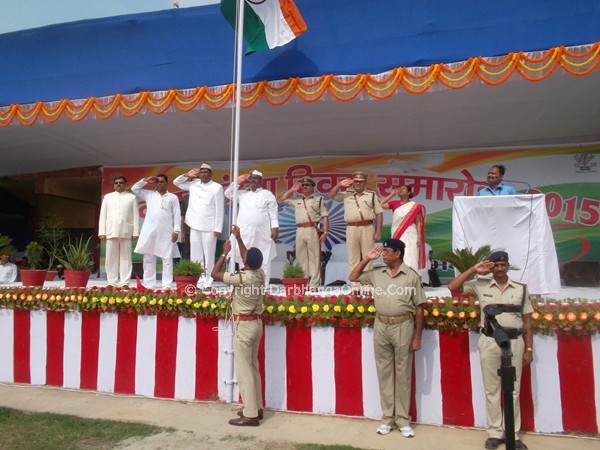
(574, 316)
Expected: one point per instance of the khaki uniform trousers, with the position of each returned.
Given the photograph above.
(393, 360)
(308, 254)
(359, 242)
(490, 355)
(246, 341)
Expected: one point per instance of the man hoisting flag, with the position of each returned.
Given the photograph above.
(267, 23)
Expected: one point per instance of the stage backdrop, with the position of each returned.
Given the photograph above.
(568, 177)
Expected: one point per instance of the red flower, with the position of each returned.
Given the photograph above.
(344, 322)
(332, 320)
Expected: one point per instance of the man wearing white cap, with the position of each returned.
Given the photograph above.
(257, 217)
(204, 216)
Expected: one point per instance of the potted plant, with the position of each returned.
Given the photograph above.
(76, 260)
(34, 276)
(294, 280)
(463, 259)
(187, 273)
(53, 237)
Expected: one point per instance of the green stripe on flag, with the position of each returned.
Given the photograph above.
(254, 30)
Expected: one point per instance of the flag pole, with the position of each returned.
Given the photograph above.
(239, 34)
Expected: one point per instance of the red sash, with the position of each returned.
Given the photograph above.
(406, 222)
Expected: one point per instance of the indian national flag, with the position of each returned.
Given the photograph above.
(267, 23)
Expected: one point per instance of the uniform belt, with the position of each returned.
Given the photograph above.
(305, 224)
(246, 317)
(511, 333)
(393, 320)
(360, 223)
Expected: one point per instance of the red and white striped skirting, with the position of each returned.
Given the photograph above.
(320, 370)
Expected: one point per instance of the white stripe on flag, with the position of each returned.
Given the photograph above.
(277, 30)
(275, 367)
(428, 392)
(72, 350)
(371, 401)
(145, 356)
(545, 384)
(38, 347)
(323, 371)
(107, 352)
(7, 344)
(185, 364)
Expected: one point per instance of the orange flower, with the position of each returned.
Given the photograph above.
(435, 312)
(425, 313)
(561, 316)
(548, 317)
(583, 316)
(473, 314)
(462, 315)
(535, 315)
(450, 314)
(571, 316)
(597, 316)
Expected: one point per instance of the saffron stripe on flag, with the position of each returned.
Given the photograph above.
(126, 350)
(578, 398)
(166, 356)
(299, 369)
(55, 326)
(207, 355)
(21, 349)
(348, 371)
(457, 403)
(90, 340)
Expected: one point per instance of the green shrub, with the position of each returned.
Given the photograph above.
(34, 253)
(187, 268)
(293, 271)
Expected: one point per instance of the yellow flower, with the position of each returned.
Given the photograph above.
(361, 309)
(350, 308)
(197, 305)
(143, 299)
(103, 300)
(170, 301)
(304, 309)
(111, 301)
(281, 308)
(292, 309)
(179, 301)
(160, 302)
(152, 302)
(127, 300)
(213, 306)
(337, 308)
(270, 309)
(205, 304)
(188, 301)
(315, 307)
(326, 308)
(134, 301)
(85, 299)
(371, 309)
(95, 299)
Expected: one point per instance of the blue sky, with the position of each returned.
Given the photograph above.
(24, 14)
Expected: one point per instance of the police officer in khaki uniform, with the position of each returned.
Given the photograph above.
(397, 330)
(500, 289)
(363, 215)
(246, 307)
(311, 212)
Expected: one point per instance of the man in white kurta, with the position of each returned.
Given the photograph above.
(8, 271)
(160, 230)
(257, 218)
(119, 224)
(204, 216)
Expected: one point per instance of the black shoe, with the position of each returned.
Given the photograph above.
(493, 443)
(520, 444)
(260, 413)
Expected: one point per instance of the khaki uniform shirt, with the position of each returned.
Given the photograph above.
(395, 295)
(248, 286)
(488, 292)
(358, 207)
(311, 210)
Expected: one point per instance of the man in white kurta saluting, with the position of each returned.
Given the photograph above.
(204, 216)
(161, 228)
(257, 217)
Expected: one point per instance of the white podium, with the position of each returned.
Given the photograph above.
(517, 224)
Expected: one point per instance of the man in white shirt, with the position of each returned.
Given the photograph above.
(119, 224)
(257, 218)
(160, 230)
(8, 271)
(204, 216)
